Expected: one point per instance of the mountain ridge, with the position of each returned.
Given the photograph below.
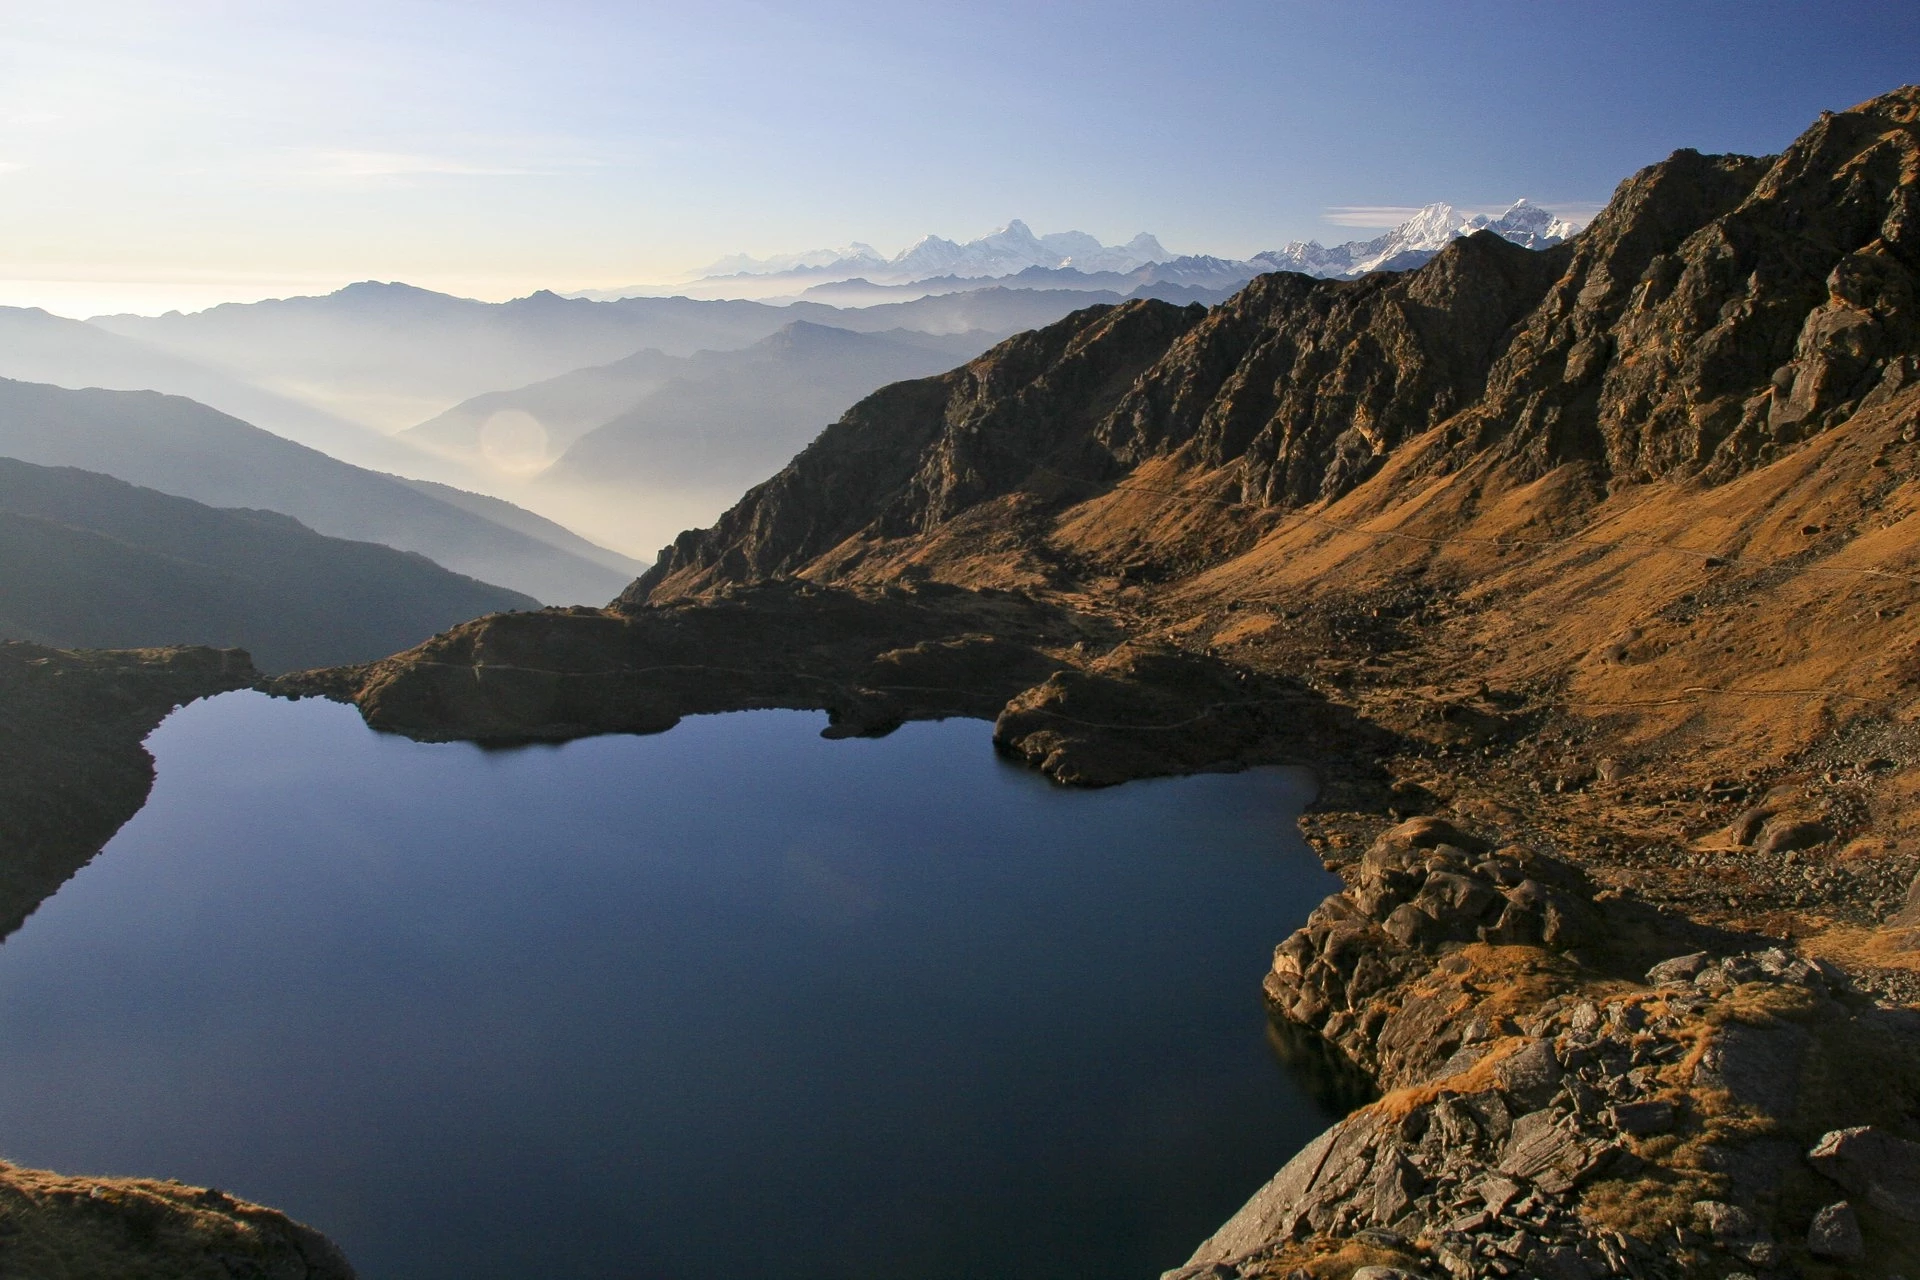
(88, 561)
(1413, 242)
(178, 446)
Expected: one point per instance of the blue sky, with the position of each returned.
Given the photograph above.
(174, 154)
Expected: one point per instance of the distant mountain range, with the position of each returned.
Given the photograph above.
(1014, 257)
(184, 448)
(469, 397)
(1009, 249)
(88, 561)
(389, 356)
(38, 347)
(1006, 251)
(347, 373)
(1192, 278)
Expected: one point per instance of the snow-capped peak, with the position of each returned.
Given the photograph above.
(1419, 238)
(1430, 228)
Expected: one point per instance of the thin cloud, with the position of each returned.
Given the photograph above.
(351, 165)
(1369, 215)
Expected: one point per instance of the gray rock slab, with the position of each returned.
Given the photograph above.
(1758, 1066)
(1875, 1166)
(1835, 1234)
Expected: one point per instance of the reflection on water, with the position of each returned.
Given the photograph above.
(729, 1000)
(1329, 1077)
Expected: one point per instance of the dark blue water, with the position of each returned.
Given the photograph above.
(732, 1000)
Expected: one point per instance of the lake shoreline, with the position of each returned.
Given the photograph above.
(202, 764)
(1555, 925)
(1576, 977)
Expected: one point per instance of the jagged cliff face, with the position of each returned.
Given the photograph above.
(1721, 309)
(1306, 385)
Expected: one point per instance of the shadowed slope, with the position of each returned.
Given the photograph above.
(186, 449)
(89, 561)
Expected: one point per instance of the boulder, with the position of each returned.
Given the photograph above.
(1744, 828)
(1758, 1066)
(1679, 969)
(1874, 1165)
(1427, 832)
(1409, 926)
(1835, 1234)
(1642, 1118)
(1785, 837)
(1531, 1075)
(1548, 1152)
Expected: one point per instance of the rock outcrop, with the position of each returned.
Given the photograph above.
(1550, 1112)
(139, 1229)
(1719, 309)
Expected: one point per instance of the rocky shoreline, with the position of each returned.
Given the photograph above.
(1576, 1080)
(1552, 1109)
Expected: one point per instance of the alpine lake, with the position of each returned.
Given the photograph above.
(731, 1000)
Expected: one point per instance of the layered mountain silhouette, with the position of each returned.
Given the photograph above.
(1191, 278)
(184, 448)
(337, 372)
(799, 369)
(1005, 251)
(630, 448)
(88, 561)
(390, 356)
(1013, 257)
(38, 347)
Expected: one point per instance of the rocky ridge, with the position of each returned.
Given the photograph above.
(1597, 560)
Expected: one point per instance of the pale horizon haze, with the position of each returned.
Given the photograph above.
(174, 156)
